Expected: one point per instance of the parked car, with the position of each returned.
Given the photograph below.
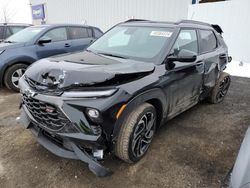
(8, 29)
(112, 97)
(33, 43)
(240, 177)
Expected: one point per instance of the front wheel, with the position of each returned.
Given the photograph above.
(12, 76)
(220, 89)
(136, 133)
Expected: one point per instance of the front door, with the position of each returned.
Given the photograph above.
(185, 78)
(59, 43)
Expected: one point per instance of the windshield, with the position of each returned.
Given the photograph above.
(139, 43)
(25, 35)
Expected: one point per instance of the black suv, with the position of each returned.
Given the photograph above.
(8, 29)
(112, 97)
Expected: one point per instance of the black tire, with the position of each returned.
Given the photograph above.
(220, 89)
(9, 74)
(128, 141)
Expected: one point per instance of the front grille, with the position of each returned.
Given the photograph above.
(43, 89)
(45, 114)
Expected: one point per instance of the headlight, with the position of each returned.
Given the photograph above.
(89, 94)
(1, 51)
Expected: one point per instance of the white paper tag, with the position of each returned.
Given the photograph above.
(161, 34)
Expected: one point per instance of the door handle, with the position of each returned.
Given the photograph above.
(223, 56)
(199, 63)
(67, 45)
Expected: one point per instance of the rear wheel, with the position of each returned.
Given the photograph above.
(12, 76)
(220, 89)
(136, 133)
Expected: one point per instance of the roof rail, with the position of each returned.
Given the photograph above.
(135, 20)
(214, 26)
(193, 22)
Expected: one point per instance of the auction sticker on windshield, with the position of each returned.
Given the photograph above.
(161, 34)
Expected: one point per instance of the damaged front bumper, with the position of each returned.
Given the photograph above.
(62, 129)
(64, 145)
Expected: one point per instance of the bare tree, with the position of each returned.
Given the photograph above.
(8, 11)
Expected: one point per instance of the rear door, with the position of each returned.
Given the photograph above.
(80, 38)
(59, 43)
(213, 54)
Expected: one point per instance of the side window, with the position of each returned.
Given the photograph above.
(57, 34)
(208, 41)
(78, 32)
(187, 40)
(97, 32)
(90, 32)
(1, 32)
(8, 32)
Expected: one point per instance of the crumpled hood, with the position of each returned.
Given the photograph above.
(85, 69)
(5, 46)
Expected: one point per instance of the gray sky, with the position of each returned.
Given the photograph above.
(17, 11)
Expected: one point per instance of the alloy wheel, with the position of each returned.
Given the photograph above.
(16, 76)
(143, 134)
(223, 88)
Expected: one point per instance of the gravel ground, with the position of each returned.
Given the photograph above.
(195, 149)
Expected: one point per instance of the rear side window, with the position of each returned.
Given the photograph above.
(97, 33)
(208, 41)
(78, 32)
(187, 40)
(57, 34)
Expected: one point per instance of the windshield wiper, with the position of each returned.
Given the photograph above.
(113, 55)
(107, 54)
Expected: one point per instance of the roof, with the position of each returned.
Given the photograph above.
(61, 25)
(181, 23)
(16, 24)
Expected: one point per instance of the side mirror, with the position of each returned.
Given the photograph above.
(44, 40)
(183, 56)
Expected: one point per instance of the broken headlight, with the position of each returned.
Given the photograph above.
(89, 94)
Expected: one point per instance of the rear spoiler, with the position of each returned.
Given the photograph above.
(217, 28)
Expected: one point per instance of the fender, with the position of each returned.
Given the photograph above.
(155, 94)
(26, 59)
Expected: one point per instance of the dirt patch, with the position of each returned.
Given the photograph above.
(195, 149)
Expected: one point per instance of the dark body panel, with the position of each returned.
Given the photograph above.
(76, 82)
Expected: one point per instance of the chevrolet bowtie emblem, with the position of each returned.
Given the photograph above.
(29, 93)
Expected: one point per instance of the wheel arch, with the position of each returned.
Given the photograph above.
(155, 97)
(25, 60)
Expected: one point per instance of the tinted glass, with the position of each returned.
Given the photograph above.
(90, 32)
(78, 32)
(208, 41)
(26, 34)
(12, 30)
(1, 32)
(187, 40)
(139, 43)
(97, 32)
(57, 34)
